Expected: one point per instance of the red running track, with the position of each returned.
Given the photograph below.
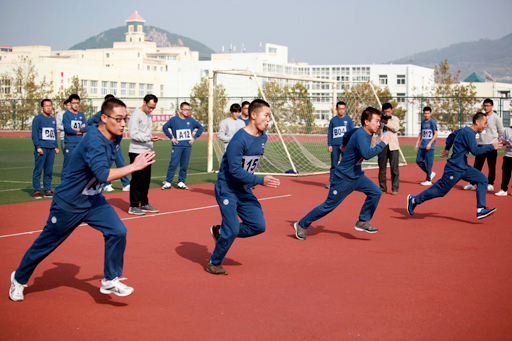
(440, 274)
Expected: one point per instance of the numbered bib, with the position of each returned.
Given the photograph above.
(48, 134)
(249, 163)
(183, 134)
(427, 134)
(338, 131)
(75, 124)
(93, 187)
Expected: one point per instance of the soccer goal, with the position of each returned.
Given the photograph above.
(301, 110)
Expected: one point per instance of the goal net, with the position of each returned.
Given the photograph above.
(301, 110)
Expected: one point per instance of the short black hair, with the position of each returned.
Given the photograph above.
(427, 109)
(245, 102)
(66, 101)
(256, 105)
(45, 100)
(149, 98)
(478, 116)
(386, 106)
(368, 114)
(488, 100)
(235, 107)
(73, 96)
(340, 103)
(108, 106)
(109, 96)
(184, 103)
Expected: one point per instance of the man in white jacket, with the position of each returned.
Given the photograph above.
(490, 135)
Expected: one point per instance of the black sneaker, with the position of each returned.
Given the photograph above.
(300, 232)
(365, 226)
(216, 269)
(48, 194)
(135, 211)
(215, 231)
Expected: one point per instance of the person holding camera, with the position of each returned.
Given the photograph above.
(389, 125)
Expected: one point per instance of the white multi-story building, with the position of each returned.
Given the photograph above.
(136, 67)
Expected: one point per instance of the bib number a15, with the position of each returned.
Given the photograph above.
(249, 163)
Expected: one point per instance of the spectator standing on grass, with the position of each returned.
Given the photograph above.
(95, 120)
(457, 168)
(507, 162)
(75, 126)
(390, 152)
(44, 138)
(60, 128)
(140, 128)
(79, 199)
(426, 143)
(488, 136)
(229, 126)
(338, 126)
(349, 176)
(179, 129)
(245, 112)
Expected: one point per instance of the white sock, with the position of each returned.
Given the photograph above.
(478, 210)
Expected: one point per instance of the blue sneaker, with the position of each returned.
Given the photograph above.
(410, 205)
(485, 212)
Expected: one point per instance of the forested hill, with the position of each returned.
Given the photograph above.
(492, 56)
(161, 37)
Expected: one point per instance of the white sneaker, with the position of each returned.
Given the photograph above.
(16, 290)
(501, 193)
(108, 188)
(166, 185)
(426, 183)
(432, 176)
(181, 185)
(490, 187)
(115, 287)
(126, 188)
(469, 187)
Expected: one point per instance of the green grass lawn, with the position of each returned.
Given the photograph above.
(17, 164)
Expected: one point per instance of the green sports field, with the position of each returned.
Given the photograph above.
(17, 162)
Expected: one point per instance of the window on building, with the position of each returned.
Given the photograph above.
(383, 79)
(113, 88)
(272, 50)
(161, 68)
(361, 74)
(148, 67)
(5, 86)
(138, 54)
(104, 88)
(400, 79)
(400, 97)
(141, 90)
(139, 28)
(149, 88)
(154, 68)
(107, 55)
(505, 94)
(123, 89)
(131, 89)
(94, 87)
(161, 90)
(83, 83)
(130, 28)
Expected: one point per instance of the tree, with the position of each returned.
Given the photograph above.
(19, 84)
(452, 103)
(77, 88)
(359, 97)
(199, 102)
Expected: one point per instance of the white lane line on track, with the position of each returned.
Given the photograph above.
(152, 215)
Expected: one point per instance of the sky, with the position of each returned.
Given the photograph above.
(316, 32)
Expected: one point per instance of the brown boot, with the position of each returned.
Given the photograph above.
(216, 269)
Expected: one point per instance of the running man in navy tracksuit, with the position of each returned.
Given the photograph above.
(338, 126)
(233, 187)
(44, 137)
(75, 125)
(464, 142)
(78, 199)
(349, 177)
(427, 144)
(95, 120)
(181, 128)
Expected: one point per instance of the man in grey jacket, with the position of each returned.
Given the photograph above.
(229, 126)
(139, 128)
(490, 135)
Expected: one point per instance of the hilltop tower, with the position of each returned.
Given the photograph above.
(135, 28)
